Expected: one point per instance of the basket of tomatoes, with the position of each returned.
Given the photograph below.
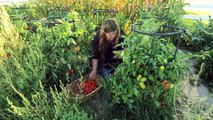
(84, 88)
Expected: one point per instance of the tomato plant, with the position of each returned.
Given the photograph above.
(139, 78)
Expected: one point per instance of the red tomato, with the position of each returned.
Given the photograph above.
(89, 85)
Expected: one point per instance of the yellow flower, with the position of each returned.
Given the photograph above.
(127, 27)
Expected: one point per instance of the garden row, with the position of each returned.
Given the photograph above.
(44, 49)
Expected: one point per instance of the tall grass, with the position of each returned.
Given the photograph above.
(20, 64)
(47, 106)
(193, 107)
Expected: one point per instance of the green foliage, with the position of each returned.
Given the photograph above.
(200, 36)
(44, 106)
(41, 8)
(205, 57)
(23, 70)
(199, 40)
(194, 109)
(22, 11)
(21, 26)
(20, 64)
(121, 19)
(171, 12)
(68, 46)
(138, 80)
(59, 46)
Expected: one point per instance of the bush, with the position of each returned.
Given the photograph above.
(44, 106)
(146, 79)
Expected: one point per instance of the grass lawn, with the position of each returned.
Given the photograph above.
(190, 22)
(198, 12)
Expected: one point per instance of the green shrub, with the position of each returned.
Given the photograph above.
(140, 81)
(45, 106)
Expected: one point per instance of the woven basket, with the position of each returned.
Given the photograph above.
(75, 89)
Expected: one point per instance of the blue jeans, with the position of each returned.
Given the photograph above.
(104, 71)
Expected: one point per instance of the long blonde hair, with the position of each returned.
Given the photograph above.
(109, 25)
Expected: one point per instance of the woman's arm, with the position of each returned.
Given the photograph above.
(95, 56)
(94, 69)
(94, 64)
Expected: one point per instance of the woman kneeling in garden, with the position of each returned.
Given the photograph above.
(103, 44)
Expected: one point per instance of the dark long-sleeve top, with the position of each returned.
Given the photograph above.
(108, 56)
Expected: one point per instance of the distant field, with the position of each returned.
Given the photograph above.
(198, 12)
(199, 1)
(191, 22)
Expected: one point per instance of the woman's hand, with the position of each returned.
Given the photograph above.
(118, 53)
(93, 74)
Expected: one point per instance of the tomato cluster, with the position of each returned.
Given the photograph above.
(89, 85)
(166, 84)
